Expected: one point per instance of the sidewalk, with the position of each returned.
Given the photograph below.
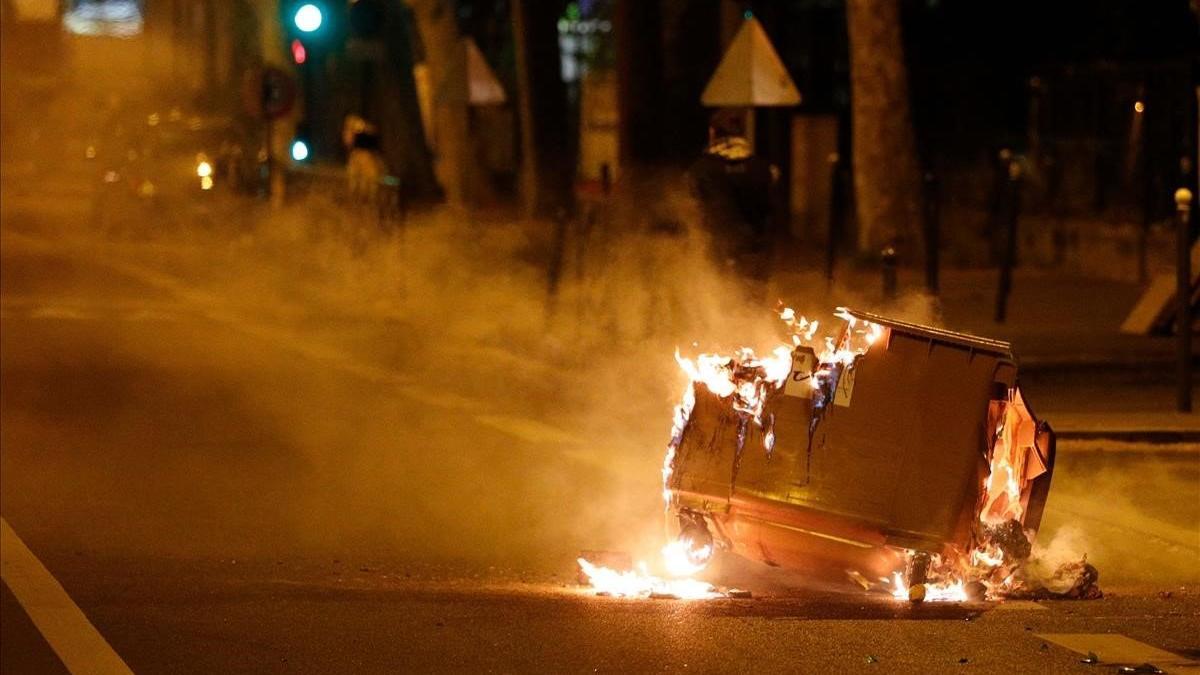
(1141, 427)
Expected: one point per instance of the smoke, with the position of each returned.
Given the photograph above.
(1130, 508)
(453, 386)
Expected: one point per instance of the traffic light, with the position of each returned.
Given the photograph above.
(300, 149)
(299, 52)
(308, 17)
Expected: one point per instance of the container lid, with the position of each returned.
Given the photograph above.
(936, 334)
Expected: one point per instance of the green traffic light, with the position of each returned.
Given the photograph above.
(308, 18)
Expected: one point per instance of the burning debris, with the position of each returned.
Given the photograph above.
(640, 583)
(906, 452)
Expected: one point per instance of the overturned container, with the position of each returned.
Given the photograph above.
(919, 442)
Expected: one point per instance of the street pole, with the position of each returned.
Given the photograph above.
(932, 233)
(269, 133)
(1183, 299)
(835, 216)
(1009, 254)
(888, 260)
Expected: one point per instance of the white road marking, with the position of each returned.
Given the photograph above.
(527, 429)
(73, 638)
(1114, 648)
(60, 312)
(211, 307)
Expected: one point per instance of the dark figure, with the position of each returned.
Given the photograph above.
(734, 190)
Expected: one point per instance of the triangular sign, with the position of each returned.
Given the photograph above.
(750, 73)
(485, 89)
(469, 79)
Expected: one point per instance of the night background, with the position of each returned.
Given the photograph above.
(606, 335)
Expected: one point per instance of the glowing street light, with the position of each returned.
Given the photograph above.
(308, 18)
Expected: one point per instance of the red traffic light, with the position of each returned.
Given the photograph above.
(299, 53)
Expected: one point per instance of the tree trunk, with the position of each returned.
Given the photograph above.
(445, 56)
(403, 144)
(886, 181)
(639, 80)
(547, 168)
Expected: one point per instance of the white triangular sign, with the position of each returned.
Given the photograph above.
(750, 73)
(469, 79)
(484, 88)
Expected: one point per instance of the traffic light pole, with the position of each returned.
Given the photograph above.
(1183, 300)
(275, 183)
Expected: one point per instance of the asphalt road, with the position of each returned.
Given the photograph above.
(220, 491)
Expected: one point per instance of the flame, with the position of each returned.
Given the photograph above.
(1010, 443)
(683, 412)
(744, 376)
(946, 591)
(639, 582)
(1001, 503)
(678, 560)
(745, 380)
(987, 556)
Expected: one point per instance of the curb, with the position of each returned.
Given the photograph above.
(1152, 436)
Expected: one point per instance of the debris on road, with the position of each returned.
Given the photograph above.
(1075, 580)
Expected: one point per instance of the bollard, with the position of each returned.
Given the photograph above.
(932, 233)
(1009, 252)
(1183, 299)
(557, 260)
(888, 266)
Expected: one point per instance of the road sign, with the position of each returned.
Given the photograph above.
(750, 73)
(1154, 312)
(469, 79)
(269, 93)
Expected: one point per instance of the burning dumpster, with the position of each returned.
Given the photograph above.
(899, 451)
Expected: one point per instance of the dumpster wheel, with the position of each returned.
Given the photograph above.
(697, 541)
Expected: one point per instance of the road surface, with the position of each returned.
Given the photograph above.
(225, 485)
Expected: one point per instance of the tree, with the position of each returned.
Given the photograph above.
(886, 178)
(639, 79)
(437, 22)
(546, 165)
(403, 142)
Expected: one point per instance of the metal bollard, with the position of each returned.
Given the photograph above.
(1009, 253)
(1183, 299)
(888, 266)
